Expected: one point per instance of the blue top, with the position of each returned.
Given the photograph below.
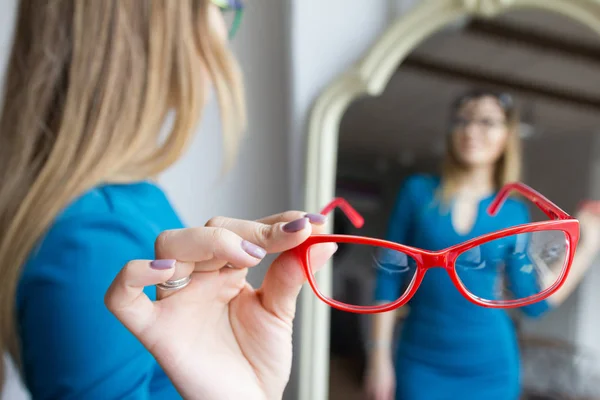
(447, 343)
(72, 346)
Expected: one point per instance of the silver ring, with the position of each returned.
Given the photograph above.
(175, 284)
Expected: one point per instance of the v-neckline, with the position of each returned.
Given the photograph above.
(470, 232)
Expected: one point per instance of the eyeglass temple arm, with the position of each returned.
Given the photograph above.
(357, 220)
(547, 207)
(236, 22)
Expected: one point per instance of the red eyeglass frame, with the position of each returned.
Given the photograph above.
(446, 258)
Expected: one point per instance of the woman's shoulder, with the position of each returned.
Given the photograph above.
(114, 200)
(134, 209)
(101, 229)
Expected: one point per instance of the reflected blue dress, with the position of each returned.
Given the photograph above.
(450, 348)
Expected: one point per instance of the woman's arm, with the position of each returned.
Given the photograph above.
(525, 281)
(586, 253)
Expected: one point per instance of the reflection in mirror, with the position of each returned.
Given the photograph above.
(549, 67)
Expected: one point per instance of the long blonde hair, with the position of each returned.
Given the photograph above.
(508, 166)
(87, 90)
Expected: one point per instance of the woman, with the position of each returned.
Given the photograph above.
(450, 348)
(88, 86)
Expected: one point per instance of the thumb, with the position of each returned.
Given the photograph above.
(285, 278)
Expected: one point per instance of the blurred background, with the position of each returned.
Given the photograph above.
(291, 49)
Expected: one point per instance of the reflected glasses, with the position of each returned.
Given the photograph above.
(513, 267)
(231, 6)
(505, 100)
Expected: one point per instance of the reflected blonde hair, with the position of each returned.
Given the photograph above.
(507, 168)
(87, 90)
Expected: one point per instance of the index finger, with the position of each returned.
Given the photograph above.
(275, 238)
(207, 244)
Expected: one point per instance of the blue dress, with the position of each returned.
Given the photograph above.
(72, 346)
(449, 347)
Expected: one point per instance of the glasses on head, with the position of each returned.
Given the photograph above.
(235, 8)
(504, 99)
(513, 267)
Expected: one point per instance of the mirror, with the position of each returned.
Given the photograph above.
(363, 147)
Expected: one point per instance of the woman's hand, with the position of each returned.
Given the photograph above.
(218, 338)
(586, 253)
(589, 225)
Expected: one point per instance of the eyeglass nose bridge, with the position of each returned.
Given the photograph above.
(435, 260)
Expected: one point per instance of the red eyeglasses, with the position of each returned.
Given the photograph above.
(510, 268)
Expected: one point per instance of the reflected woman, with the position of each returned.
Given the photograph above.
(449, 347)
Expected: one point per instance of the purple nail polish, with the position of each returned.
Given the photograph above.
(295, 226)
(162, 264)
(254, 250)
(318, 219)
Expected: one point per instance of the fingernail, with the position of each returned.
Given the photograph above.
(254, 250)
(295, 226)
(318, 219)
(162, 264)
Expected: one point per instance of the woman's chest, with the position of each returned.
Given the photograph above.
(435, 229)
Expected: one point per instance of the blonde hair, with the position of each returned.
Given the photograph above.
(508, 166)
(88, 87)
